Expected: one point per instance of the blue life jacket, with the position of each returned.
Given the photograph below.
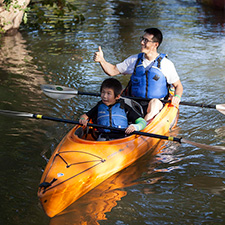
(151, 83)
(114, 116)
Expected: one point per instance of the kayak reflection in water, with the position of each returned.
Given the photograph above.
(113, 111)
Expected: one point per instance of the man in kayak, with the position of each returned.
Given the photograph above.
(113, 111)
(152, 73)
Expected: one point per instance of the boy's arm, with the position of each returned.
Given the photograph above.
(140, 124)
(90, 115)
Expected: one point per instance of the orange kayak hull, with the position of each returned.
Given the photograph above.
(78, 165)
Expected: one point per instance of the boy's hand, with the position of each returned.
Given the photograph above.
(130, 129)
(83, 120)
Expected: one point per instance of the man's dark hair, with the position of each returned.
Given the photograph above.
(157, 34)
(114, 84)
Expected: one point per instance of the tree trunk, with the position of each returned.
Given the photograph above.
(11, 20)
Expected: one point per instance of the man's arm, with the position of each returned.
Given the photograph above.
(178, 92)
(108, 68)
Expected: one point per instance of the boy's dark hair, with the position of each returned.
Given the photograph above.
(157, 34)
(114, 84)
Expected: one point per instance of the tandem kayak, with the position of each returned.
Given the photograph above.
(79, 163)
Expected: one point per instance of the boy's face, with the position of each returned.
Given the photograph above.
(108, 96)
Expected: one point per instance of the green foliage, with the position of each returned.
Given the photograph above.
(7, 2)
(49, 14)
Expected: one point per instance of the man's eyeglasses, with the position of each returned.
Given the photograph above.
(145, 40)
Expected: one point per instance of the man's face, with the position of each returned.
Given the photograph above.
(147, 44)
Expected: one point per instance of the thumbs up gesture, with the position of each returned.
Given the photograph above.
(98, 56)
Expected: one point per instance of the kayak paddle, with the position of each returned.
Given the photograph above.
(169, 138)
(61, 92)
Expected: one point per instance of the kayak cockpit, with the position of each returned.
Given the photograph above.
(85, 133)
(91, 134)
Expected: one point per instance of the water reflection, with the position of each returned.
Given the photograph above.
(13, 54)
(216, 4)
(214, 185)
(17, 67)
(212, 18)
(16, 59)
(220, 133)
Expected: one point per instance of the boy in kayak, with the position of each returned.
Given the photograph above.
(152, 73)
(113, 111)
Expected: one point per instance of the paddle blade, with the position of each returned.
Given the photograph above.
(204, 146)
(221, 108)
(15, 113)
(58, 92)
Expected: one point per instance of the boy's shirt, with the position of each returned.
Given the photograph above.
(131, 114)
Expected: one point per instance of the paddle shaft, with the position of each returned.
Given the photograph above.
(180, 140)
(38, 116)
(202, 105)
(61, 92)
(169, 138)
